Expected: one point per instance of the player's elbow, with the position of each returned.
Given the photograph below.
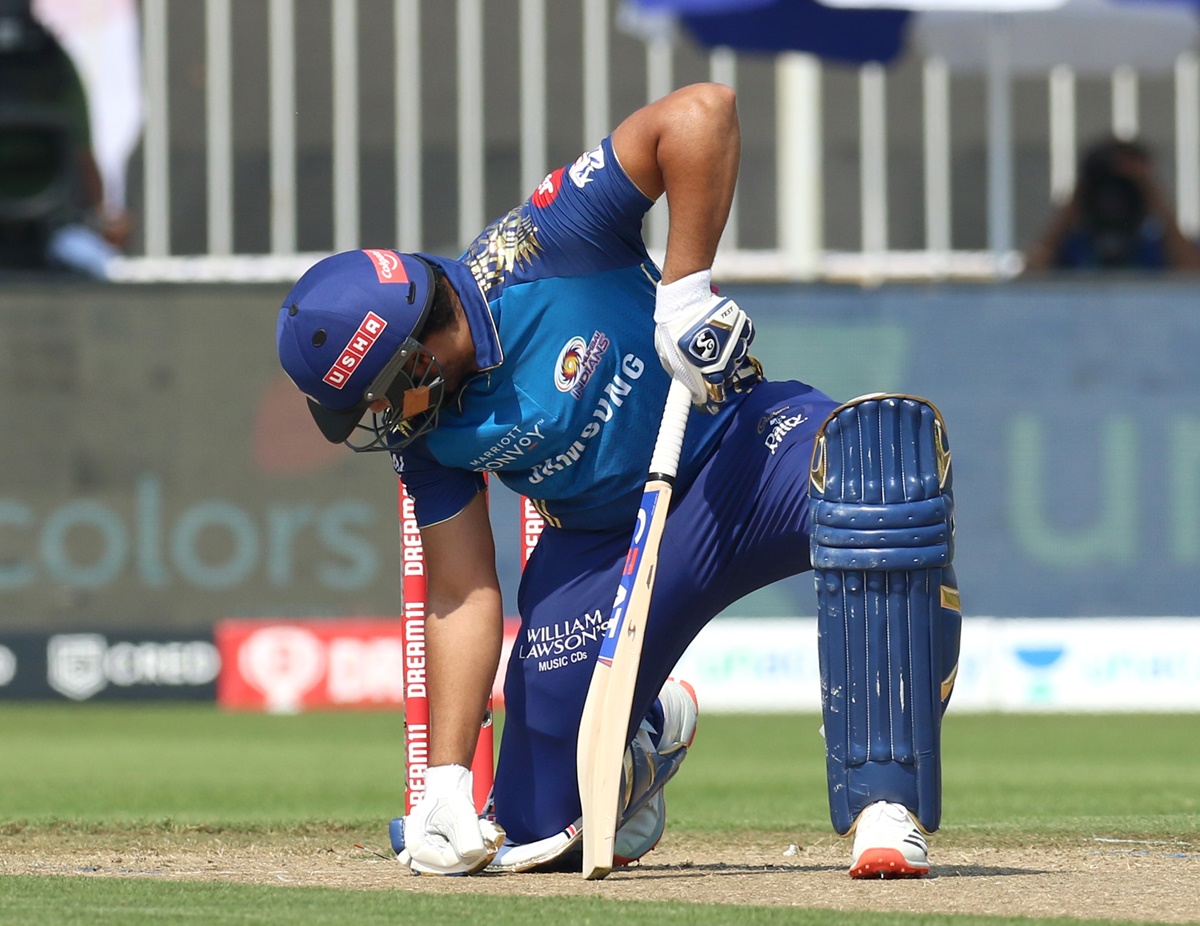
(711, 105)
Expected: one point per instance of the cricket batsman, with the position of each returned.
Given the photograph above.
(543, 355)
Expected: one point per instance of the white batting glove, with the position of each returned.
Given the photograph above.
(703, 340)
(444, 835)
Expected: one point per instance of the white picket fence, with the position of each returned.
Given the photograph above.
(798, 252)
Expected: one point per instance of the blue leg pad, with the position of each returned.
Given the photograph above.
(888, 618)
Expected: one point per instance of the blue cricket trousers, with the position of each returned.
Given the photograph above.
(741, 525)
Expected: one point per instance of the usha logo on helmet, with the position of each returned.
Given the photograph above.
(355, 351)
(388, 269)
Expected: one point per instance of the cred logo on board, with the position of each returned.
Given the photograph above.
(81, 665)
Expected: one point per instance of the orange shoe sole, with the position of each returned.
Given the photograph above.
(886, 863)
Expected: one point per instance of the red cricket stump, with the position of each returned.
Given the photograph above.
(412, 640)
(416, 696)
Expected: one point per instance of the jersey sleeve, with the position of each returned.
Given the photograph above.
(584, 218)
(591, 207)
(438, 492)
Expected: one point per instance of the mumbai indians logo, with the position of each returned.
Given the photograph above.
(780, 424)
(569, 365)
(578, 361)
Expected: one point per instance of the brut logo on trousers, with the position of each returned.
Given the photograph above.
(780, 426)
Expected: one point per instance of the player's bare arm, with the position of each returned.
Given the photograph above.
(463, 630)
(687, 145)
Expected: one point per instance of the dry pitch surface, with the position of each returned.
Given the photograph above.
(1148, 881)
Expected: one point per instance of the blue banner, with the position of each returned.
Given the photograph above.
(1073, 421)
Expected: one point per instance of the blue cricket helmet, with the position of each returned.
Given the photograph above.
(348, 336)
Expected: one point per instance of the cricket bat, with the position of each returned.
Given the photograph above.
(604, 727)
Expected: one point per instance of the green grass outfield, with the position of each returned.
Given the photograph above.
(101, 769)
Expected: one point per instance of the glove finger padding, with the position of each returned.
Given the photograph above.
(732, 376)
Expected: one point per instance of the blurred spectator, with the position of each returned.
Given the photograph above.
(103, 38)
(50, 190)
(1117, 218)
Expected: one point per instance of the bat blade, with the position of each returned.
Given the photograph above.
(604, 728)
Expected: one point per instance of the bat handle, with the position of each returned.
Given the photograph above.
(665, 460)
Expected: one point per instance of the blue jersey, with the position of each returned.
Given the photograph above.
(1145, 249)
(559, 295)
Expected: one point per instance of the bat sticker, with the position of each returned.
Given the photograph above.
(628, 574)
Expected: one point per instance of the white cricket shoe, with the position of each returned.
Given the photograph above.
(642, 830)
(648, 768)
(680, 712)
(888, 844)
